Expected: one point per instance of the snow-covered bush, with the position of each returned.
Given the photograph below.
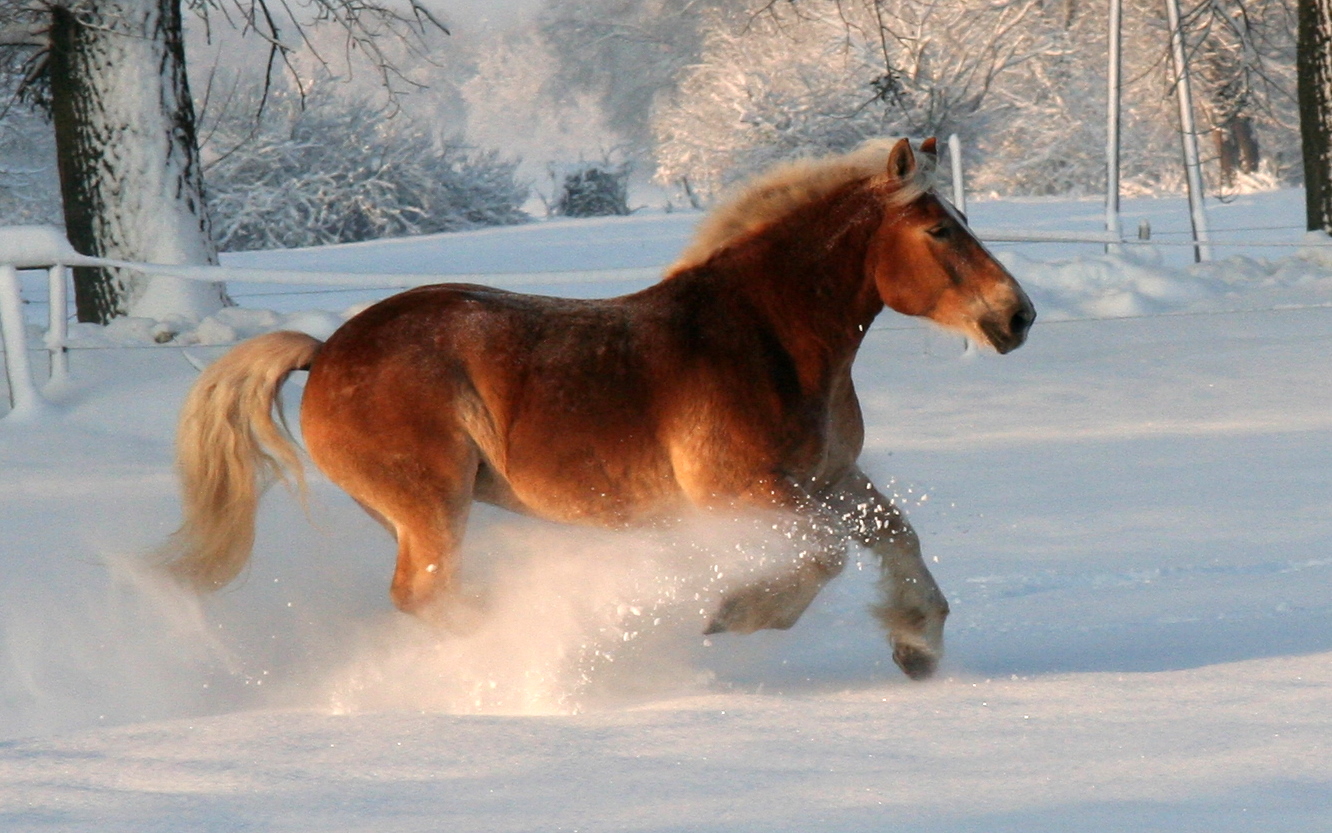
(341, 170)
(594, 189)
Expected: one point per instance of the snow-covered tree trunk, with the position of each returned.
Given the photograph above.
(130, 177)
(1314, 63)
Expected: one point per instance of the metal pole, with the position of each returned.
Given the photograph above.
(1188, 135)
(1112, 124)
(57, 329)
(959, 186)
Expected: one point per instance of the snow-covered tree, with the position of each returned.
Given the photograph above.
(129, 166)
(283, 183)
(515, 102)
(782, 80)
(1022, 83)
(124, 119)
(1243, 52)
(623, 54)
(762, 92)
(1315, 86)
(29, 192)
(29, 186)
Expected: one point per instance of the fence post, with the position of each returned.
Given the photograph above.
(23, 395)
(959, 186)
(57, 331)
(1112, 124)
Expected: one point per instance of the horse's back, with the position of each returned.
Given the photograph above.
(554, 395)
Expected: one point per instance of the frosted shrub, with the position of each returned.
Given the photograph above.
(594, 190)
(339, 171)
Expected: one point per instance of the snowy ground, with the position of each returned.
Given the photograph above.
(1132, 518)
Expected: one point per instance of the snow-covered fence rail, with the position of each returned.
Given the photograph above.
(32, 247)
(375, 280)
(45, 247)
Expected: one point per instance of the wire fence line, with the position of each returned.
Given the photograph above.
(46, 248)
(24, 406)
(876, 330)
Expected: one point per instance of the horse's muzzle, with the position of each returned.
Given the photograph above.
(1007, 333)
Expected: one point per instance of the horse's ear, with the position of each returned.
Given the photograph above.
(901, 161)
(930, 146)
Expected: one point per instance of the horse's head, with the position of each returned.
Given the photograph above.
(925, 261)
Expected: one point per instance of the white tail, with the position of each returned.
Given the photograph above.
(229, 449)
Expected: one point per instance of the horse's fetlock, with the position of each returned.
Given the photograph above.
(899, 619)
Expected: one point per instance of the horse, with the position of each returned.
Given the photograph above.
(725, 385)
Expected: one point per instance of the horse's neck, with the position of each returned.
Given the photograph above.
(807, 275)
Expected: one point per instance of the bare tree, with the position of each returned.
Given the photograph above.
(114, 74)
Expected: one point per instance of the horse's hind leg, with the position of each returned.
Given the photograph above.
(421, 492)
(429, 539)
(778, 602)
(912, 609)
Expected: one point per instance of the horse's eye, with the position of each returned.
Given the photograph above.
(943, 231)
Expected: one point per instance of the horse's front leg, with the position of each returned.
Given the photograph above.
(778, 601)
(912, 609)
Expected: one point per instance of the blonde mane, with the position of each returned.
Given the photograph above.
(786, 187)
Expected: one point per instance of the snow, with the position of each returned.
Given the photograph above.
(34, 245)
(1131, 517)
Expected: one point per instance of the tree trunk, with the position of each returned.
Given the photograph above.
(1314, 69)
(1236, 148)
(130, 178)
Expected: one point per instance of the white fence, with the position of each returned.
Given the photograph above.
(45, 247)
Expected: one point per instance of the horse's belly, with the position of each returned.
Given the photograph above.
(613, 484)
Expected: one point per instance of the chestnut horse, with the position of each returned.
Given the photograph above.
(727, 384)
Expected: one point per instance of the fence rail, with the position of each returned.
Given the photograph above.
(45, 247)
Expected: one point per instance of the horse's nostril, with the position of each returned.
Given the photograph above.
(1022, 320)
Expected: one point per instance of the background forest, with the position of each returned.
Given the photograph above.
(488, 124)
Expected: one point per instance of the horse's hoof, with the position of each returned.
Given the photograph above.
(916, 662)
(725, 619)
(755, 608)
